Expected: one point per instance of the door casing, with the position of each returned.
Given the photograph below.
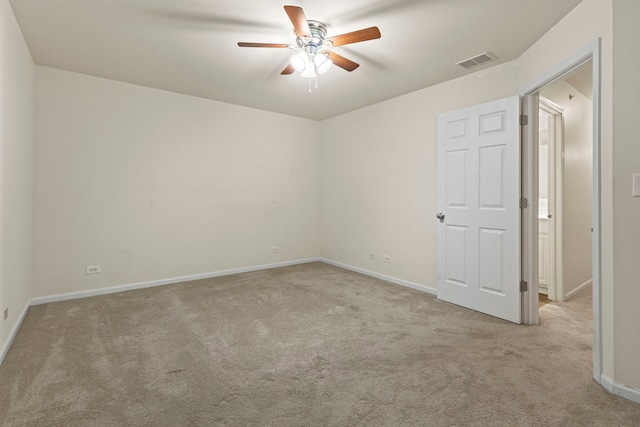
(529, 163)
(556, 166)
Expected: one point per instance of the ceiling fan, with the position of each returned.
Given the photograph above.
(313, 56)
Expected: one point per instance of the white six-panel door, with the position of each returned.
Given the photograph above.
(478, 208)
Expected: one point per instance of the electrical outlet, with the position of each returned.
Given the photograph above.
(372, 255)
(275, 249)
(387, 258)
(6, 313)
(92, 269)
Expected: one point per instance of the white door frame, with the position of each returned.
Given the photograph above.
(556, 173)
(591, 52)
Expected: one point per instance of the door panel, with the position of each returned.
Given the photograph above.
(478, 194)
(492, 185)
(491, 260)
(456, 167)
(456, 250)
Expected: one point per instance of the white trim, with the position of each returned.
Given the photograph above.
(162, 282)
(384, 277)
(590, 52)
(173, 280)
(573, 62)
(551, 107)
(529, 215)
(14, 332)
(571, 294)
(618, 389)
(597, 218)
(556, 205)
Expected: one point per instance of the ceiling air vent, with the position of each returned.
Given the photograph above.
(477, 60)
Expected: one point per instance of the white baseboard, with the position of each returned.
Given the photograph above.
(162, 282)
(573, 293)
(386, 278)
(620, 389)
(170, 281)
(14, 332)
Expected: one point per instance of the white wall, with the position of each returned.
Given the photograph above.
(378, 184)
(155, 185)
(576, 182)
(626, 209)
(17, 104)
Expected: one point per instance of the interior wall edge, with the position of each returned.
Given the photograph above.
(14, 331)
(17, 121)
(384, 277)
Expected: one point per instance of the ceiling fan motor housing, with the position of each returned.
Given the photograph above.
(318, 33)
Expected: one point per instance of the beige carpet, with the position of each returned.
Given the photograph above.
(309, 345)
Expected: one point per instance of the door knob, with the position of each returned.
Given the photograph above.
(549, 216)
(440, 216)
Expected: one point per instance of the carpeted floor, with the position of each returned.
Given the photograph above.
(309, 345)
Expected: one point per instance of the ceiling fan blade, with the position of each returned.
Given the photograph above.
(277, 45)
(288, 70)
(342, 62)
(355, 36)
(299, 20)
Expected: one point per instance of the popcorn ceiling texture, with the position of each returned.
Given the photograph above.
(308, 345)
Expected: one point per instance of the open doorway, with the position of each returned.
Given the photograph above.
(565, 165)
(550, 134)
(571, 67)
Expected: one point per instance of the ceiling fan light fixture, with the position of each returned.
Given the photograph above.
(322, 62)
(309, 71)
(312, 58)
(299, 61)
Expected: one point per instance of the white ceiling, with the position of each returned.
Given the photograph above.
(190, 46)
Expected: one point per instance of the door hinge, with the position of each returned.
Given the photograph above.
(524, 203)
(524, 286)
(524, 120)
